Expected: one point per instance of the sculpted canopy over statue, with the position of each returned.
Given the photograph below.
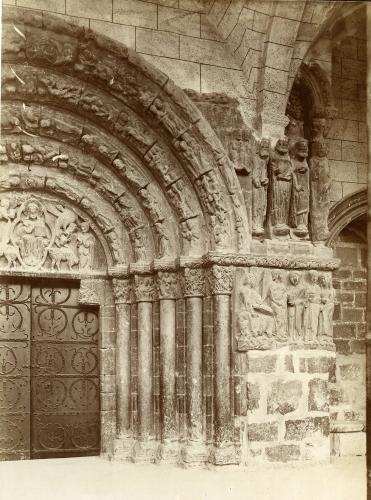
(281, 178)
(259, 187)
(300, 207)
(320, 182)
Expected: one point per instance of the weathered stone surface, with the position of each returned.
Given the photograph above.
(300, 429)
(289, 363)
(284, 397)
(321, 364)
(267, 431)
(283, 453)
(253, 396)
(263, 364)
(318, 395)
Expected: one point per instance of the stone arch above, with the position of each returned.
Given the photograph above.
(96, 82)
(344, 212)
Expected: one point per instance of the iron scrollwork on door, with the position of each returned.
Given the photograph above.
(65, 380)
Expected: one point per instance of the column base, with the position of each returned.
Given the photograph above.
(195, 453)
(123, 448)
(168, 452)
(224, 454)
(145, 452)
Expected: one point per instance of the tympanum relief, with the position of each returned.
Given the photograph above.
(278, 307)
(38, 233)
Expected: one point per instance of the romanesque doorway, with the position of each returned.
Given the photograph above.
(49, 371)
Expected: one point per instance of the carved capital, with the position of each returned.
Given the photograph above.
(91, 292)
(193, 282)
(221, 280)
(121, 290)
(167, 285)
(144, 288)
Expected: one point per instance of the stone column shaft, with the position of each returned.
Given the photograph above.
(145, 382)
(221, 283)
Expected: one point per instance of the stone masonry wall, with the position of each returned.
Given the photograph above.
(284, 404)
(347, 137)
(348, 383)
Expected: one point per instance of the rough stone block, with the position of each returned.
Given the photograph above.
(344, 331)
(183, 73)
(345, 130)
(253, 396)
(48, 5)
(284, 397)
(283, 31)
(354, 151)
(283, 453)
(119, 32)
(322, 364)
(349, 188)
(301, 429)
(318, 395)
(351, 110)
(351, 68)
(267, 431)
(353, 314)
(95, 9)
(135, 13)
(205, 51)
(160, 43)
(289, 364)
(263, 364)
(178, 21)
(278, 56)
(343, 170)
(342, 346)
(348, 444)
(348, 257)
(351, 371)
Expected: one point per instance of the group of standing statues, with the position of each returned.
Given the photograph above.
(290, 195)
(296, 308)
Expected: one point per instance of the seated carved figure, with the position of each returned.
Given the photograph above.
(254, 321)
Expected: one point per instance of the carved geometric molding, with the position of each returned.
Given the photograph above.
(82, 74)
(346, 211)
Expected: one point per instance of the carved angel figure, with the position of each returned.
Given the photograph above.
(281, 177)
(296, 307)
(326, 309)
(320, 182)
(276, 296)
(300, 207)
(314, 305)
(85, 246)
(259, 187)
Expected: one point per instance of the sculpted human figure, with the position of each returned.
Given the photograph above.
(253, 315)
(280, 173)
(314, 304)
(320, 182)
(327, 308)
(296, 307)
(277, 299)
(259, 187)
(300, 208)
(85, 246)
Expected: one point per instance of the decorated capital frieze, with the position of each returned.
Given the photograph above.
(167, 285)
(193, 283)
(220, 279)
(121, 290)
(91, 291)
(144, 288)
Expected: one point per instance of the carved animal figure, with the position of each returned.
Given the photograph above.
(62, 254)
(11, 253)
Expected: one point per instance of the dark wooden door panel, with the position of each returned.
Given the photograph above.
(64, 376)
(15, 334)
